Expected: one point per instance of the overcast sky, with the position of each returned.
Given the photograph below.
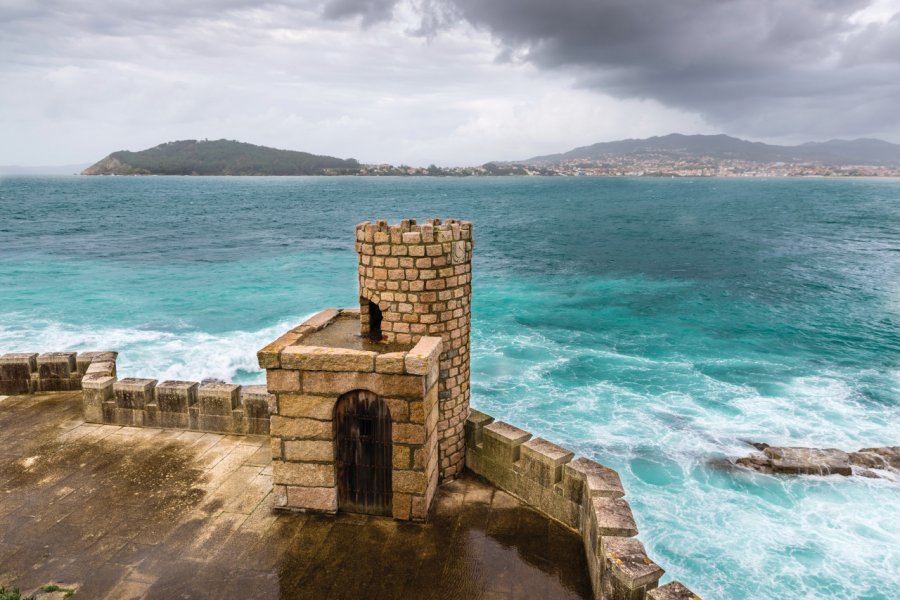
(439, 81)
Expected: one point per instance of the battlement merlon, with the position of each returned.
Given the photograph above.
(415, 280)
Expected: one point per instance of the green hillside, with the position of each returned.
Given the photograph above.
(219, 157)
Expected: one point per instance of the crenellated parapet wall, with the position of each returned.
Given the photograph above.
(578, 492)
(31, 373)
(208, 406)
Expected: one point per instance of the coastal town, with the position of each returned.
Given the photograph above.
(641, 166)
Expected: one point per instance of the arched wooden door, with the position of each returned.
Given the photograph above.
(362, 450)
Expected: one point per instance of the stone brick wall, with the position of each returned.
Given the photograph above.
(420, 277)
(306, 382)
(30, 372)
(579, 493)
(213, 406)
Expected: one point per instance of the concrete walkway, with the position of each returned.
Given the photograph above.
(124, 513)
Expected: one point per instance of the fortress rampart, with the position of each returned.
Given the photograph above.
(580, 493)
(368, 409)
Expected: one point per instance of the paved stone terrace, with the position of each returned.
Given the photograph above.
(146, 513)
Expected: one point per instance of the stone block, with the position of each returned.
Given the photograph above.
(402, 506)
(134, 392)
(310, 429)
(627, 571)
(542, 461)
(309, 451)
(390, 362)
(321, 319)
(612, 517)
(173, 420)
(501, 475)
(95, 392)
(316, 358)
(218, 399)
(419, 508)
(303, 474)
(502, 442)
(584, 475)
(281, 380)
(423, 355)
(474, 427)
(674, 590)
(337, 383)
(238, 422)
(85, 359)
(105, 368)
(151, 415)
(128, 417)
(57, 365)
(306, 406)
(255, 400)
(270, 356)
(408, 433)
(176, 396)
(216, 423)
(409, 482)
(258, 426)
(556, 505)
(529, 490)
(194, 417)
(16, 369)
(320, 499)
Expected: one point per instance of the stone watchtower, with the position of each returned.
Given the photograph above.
(368, 406)
(414, 281)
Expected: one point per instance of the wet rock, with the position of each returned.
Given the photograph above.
(809, 461)
(821, 461)
(889, 454)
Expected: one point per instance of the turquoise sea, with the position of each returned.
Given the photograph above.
(654, 325)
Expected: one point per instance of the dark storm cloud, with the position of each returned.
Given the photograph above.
(767, 67)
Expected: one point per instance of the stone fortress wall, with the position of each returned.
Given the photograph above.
(419, 279)
(415, 292)
(580, 493)
(202, 406)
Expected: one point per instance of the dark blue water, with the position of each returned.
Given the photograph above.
(651, 324)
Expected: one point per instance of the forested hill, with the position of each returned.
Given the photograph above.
(219, 157)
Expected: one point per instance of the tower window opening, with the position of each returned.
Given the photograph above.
(374, 322)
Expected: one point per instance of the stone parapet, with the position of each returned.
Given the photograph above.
(135, 402)
(580, 493)
(30, 372)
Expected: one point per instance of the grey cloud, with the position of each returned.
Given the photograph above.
(800, 67)
(371, 11)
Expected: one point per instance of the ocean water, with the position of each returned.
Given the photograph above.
(654, 325)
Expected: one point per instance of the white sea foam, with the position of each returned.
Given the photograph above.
(188, 355)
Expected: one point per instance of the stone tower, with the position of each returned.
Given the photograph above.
(414, 281)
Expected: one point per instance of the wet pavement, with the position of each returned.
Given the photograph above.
(147, 513)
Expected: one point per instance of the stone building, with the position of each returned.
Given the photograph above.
(370, 404)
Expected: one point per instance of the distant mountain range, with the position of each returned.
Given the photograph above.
(723, 147)
(219, 157)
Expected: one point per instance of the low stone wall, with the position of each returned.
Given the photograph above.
(215, 406)
(579, 493)
(30, 372)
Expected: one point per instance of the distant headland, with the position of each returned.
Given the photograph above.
(673, 155)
